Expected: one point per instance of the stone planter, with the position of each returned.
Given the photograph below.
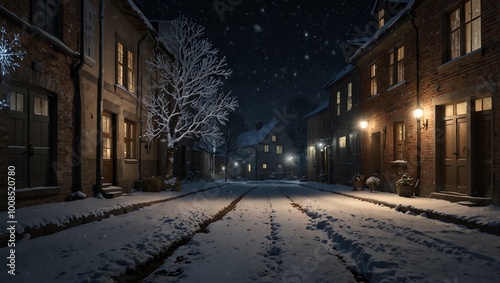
(358, 185)
(405, 191)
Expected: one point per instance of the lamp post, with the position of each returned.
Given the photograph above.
(234, 170)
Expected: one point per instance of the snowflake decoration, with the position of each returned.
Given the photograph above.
(9, 52)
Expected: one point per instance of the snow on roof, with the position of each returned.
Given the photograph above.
(321, 108)
(347, 69)
(141, 15)
(382, 30)
(358, 41)
(255, 137)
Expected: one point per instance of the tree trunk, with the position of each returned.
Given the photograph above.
(170, 163)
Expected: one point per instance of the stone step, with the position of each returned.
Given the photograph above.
(112, 192)
(461, 198)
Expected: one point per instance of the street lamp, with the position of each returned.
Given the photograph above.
(234, 170)
(418, 113)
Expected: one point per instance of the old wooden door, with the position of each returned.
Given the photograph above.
(30, 137)
(455, 149)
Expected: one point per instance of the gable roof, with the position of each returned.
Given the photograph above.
(321, 108)
(345, 71)
(384, 29)
(255, 137)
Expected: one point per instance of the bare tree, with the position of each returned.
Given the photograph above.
(231, 132)
(186, 99)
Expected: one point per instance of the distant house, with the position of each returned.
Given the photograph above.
(266, 152)
(318, 143)
(345, 130)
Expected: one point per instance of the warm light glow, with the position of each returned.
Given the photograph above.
(363, 124)
(418, 113)
(235, 164)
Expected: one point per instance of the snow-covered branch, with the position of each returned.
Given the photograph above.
(186, 100)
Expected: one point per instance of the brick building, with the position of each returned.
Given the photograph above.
(441, 57)
(37, 126)
(72, 120)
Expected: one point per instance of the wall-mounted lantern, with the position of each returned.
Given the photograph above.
(418, 113)
(363, 124)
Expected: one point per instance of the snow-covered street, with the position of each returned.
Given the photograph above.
(260, 232)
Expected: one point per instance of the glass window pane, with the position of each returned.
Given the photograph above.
(487, 103)
(462, 108)
(449, 110)
(45, 107)
(476, 34)
(479, 105)
(468, 12)
(476, 8)
(38, 106)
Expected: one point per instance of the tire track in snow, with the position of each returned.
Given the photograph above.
(395, 245)
(144, 270)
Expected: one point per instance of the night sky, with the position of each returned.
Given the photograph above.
(278, 50)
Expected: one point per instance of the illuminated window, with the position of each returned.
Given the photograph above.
(264, 165)
(249, 167)
(373, 79)
(279, 149)
(349, 96)
(129, 140)
(273, 138)
(41, 107)
(124, 67)
(338, 103)
(399, 141)
(465, 28)
(396, 65)
(342, 142)
(266, 148)
(381, 18)
(483, 104)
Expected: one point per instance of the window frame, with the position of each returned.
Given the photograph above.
(52, 19)
(399, 140)
(381, 17)
(396, 65)
(460, 37)
(349, 96)
(266, 148)
(125, 67)
(129, 140)
(279, 149)
(373, 80)
(338, 103)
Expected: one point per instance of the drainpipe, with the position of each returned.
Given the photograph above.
(77, 106)
(139, 100)
(98, 170)
(419, 165)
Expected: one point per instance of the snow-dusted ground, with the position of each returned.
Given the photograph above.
(264, 239)
(278, 232)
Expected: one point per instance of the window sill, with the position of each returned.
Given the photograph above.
(131, 161)
(403, 82)
(399, 163)
(124, 89)
(373, 96)
(460, 61)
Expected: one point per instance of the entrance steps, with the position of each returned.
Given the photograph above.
(109, 191)
(461, 198)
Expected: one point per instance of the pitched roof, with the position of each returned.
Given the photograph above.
(321, 108)
(346, 70)
(255, 137)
